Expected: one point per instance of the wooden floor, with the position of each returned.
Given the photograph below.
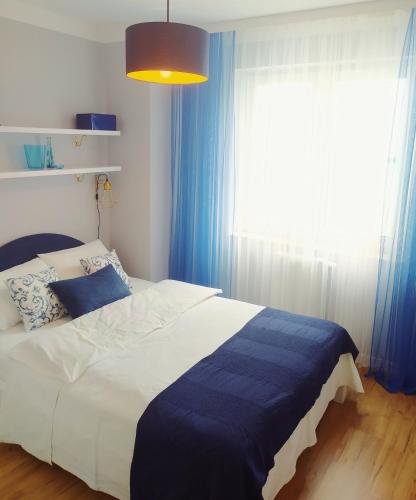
(366, 451)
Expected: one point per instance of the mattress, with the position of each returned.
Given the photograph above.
(97, 410)
(95, 417)
(113, 454)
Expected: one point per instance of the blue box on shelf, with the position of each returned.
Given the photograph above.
(96, 121)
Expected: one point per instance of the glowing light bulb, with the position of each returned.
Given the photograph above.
(166, 74)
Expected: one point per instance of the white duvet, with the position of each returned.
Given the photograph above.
(73, 395)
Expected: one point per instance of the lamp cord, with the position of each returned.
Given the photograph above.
(99, 216)
(97, 189)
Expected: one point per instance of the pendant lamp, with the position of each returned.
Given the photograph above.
(165, 52)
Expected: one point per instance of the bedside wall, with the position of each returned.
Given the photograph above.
(46, 78)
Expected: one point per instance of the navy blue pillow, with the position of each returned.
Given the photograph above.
(88, 293)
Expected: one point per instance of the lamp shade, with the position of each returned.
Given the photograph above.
(164, 52)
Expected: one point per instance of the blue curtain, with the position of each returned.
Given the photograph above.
(203, 172)
(393, 355)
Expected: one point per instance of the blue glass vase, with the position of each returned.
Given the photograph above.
(35, 156)
(49, 160)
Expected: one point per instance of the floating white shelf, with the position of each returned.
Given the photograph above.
(18, 174)
(56, 131)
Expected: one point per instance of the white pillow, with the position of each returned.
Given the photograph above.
(9, 314)
(37, 302)
(94, 264)
(67, 262)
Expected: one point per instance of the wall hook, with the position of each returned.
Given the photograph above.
(78, 140)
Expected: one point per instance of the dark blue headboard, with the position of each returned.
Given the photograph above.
(24, 249)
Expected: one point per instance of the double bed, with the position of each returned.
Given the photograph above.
(69, 399)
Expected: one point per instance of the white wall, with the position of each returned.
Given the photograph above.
(160, 181)
(130, 101)
(48, 77)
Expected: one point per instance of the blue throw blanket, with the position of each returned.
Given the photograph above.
(213, 434)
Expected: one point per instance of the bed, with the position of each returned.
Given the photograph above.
(86, 422)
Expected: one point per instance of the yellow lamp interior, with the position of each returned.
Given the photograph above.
(167, 77)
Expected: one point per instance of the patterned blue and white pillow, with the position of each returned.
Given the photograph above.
(93, 264)
(35, 300)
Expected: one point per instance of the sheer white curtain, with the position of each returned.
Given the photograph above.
(314, 106)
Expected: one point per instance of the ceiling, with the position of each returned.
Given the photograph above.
(188, 11)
